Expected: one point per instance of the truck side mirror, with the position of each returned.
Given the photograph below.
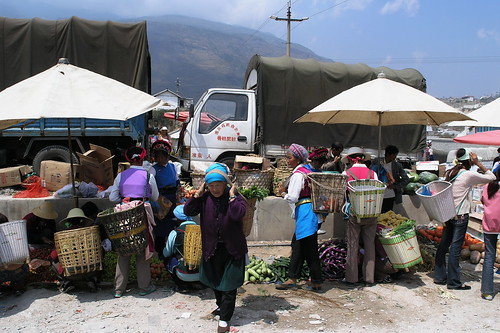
(191, 111)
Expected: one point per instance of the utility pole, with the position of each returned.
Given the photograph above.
(177, 85)
(289, 19)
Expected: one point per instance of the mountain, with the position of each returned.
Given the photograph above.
(205, 54)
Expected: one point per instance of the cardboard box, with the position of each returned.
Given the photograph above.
(96, 166)
(10, 176)
(253, 162)
(56, 175)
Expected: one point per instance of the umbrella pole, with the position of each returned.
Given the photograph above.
(75, 197)
(379, 135)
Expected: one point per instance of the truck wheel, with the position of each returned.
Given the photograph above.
(229, 161)
(54, 153)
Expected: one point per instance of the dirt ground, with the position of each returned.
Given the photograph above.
(411, 304)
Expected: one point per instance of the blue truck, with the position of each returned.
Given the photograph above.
(117, 50)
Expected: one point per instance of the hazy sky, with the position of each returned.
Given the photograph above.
(454, 43)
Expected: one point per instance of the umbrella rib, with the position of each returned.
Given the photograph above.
(431, 117)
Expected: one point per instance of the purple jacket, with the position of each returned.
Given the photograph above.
(223, 226)
(133, 183)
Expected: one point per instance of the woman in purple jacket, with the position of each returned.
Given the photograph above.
(224, 246)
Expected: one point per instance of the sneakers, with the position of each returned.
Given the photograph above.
(321, 232)
(148, 291)
(118, 293)
(487, 297)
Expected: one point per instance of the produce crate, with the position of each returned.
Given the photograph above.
(126, 229)
(327, 191)
(439, 205)
(192, 246)
(13, 242)
(79, 250)
(403, 250)
(366, 197)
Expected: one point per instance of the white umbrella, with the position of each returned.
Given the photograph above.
(486, 116)
(382, 102)
(67, 91)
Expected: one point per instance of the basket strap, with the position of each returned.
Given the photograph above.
(131, 232)
(352, 175)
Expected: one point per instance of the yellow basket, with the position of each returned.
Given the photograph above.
(79, 250)
(192, 246)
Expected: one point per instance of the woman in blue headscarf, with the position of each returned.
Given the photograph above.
(224, 246)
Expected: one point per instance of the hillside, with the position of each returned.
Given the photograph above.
(204, 54)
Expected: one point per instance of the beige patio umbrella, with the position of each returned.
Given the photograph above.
(382, 102)
(486, 116)
(67, 91)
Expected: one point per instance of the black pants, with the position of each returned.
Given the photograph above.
(226, 302)
(388, 204)
(305, 249)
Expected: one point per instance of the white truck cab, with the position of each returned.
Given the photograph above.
(221, 126)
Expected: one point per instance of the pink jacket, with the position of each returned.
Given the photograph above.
(491, 217)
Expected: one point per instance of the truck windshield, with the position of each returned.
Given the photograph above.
(221, 107)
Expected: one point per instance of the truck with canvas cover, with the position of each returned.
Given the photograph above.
(260, 118)
(30, 46)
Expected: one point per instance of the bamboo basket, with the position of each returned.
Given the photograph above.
(403, 250)
(280, 175)
(197, 179)
(248, 218)
(126, 229)
(79, 250)
(13, 242)
(259, 178)
(327, 191)
(366, 197)
(192, 246)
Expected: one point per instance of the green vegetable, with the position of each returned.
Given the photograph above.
(412, 175)
(411, 188)
(254, 192)
(427, 177)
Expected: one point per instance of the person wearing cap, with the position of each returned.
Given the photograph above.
(168, 184)
(334, 159)
(74, 220)
(174, 253)
(163, 134)
(224, 247)
(364, 228)
(305, 239)
(41, 225)
(135, 183)
(463, 180)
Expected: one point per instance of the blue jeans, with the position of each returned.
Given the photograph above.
(452, 241)
(490, 240)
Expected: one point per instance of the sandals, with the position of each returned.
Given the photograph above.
(148, 291)
(285, 286)
(316, 288)
(118, 294)
(387, 279)
(462, 287)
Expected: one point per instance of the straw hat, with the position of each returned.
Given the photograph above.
(352, 151)
(76, 214)
(45, 211)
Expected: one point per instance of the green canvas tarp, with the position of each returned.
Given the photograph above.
(117, 50)
(287, 88)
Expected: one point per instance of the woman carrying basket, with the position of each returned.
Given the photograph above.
(463, 179)
(305, 239)
(135, 183)
(224, 246)
(366, 228)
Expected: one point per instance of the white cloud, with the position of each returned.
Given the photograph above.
(411, 7)
(387, 60)
(355, 5)
(418, 56)
(489, 34)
